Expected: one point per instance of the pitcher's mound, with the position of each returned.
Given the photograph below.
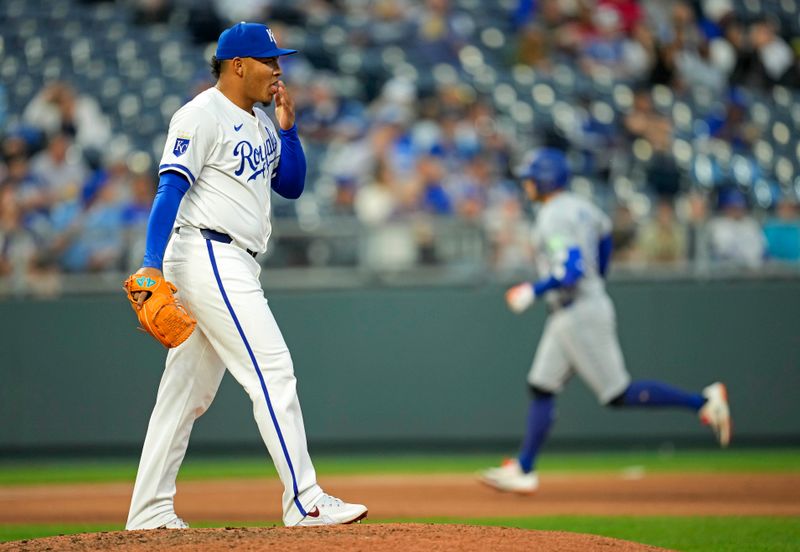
(374, 537)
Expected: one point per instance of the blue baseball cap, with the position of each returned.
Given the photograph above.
(249, 40)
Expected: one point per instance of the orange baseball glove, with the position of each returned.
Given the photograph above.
(161, 315)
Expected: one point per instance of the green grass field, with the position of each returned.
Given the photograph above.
(679, 533)
(198, 468)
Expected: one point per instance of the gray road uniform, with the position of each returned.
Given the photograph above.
(580, 335)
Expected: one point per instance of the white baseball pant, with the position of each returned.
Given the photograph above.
(219, 284)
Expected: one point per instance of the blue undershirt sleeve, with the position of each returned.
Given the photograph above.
(290, 178)
(604, 248)
(171, 189)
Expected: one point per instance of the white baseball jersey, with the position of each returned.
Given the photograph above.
(580, 335)
(229, 157)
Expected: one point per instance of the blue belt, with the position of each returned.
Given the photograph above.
(213, 235)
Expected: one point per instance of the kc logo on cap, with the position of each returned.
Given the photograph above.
(249, 40)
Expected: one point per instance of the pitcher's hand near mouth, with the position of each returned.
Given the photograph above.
(284, 106)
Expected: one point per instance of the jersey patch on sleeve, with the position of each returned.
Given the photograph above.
(181, 145)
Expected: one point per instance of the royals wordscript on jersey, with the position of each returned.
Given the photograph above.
(255, 160)
(229, 157)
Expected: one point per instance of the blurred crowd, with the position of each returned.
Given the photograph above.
(681, 155)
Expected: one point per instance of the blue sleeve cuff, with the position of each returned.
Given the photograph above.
(171, 189)
(291, 132)
(543, 286)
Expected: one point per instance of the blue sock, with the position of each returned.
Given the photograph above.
(541, 415)
(655, 393)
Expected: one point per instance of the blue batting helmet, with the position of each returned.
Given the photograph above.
(549, 169)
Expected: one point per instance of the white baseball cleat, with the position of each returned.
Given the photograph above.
(716, 412)
(176, 523)
(329, 510)
(510, 478)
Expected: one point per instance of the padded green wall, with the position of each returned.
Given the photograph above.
(408, 366)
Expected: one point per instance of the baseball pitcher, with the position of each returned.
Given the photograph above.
(222, 160)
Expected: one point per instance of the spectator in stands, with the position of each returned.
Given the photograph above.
(30, 192)
(433, 197)
(508, 231)
(471, 188)
(538, 40)
(578, 28)
(639, 53)
(733, 124)
(379, 205)
(663, 176)
(629, 12)
(61, 169)
(136, 209)
(23, 264)
(624, 230)
(604, 52)
(321, 109)
(92, 238)
(776, 63)
(643, 121)
(17, 246)
(345, 195)
(59, 108)
(696, 68)
(376, 202)
(676, 43)
(663, 240)
(390, 140)
(440, 32)
(734, 237)
(596, 141)
(731, 52)
(783, 231)
(456, 142)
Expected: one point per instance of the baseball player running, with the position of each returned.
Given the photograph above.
(221, 160)
(573, 248)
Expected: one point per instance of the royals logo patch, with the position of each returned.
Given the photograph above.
(181, 145)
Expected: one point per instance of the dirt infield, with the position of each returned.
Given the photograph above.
(398, 496)
(412, 537)
(415, 496)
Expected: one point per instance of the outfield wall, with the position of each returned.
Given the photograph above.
(407, 366)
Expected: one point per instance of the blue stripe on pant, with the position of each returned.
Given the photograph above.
(258, 373)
